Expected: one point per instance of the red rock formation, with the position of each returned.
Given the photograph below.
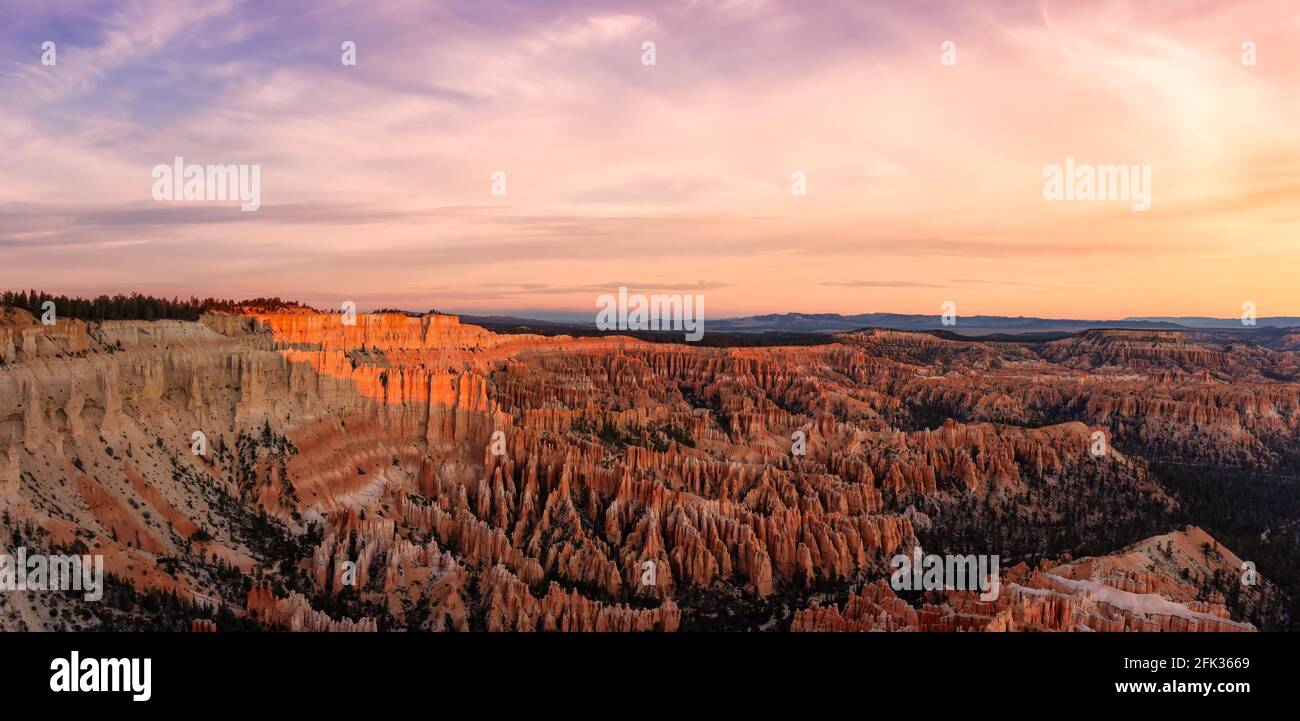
(1093, 594)
(512, 607)
(296, 614)
(627, 476)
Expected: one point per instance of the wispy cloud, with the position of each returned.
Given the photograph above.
(880, 284)
(377, 176)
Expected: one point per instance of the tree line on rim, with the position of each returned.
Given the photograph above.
(136, 306)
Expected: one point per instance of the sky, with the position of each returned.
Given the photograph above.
(922, 133)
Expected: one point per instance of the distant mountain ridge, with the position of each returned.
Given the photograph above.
(1280, 321)
(966, 325)
(837, 323)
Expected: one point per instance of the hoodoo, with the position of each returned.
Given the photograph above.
(632, 486)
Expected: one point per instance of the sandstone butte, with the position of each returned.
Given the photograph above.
(443, 477)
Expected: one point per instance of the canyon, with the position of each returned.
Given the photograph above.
(296, 470)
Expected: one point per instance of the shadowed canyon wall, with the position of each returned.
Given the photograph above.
(294, 470)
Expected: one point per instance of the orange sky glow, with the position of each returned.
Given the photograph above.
(924, 180)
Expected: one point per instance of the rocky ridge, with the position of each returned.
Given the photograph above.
(433, 475)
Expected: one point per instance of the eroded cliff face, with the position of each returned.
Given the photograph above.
(1149, 586)
(298, 471)
(1174, 395)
